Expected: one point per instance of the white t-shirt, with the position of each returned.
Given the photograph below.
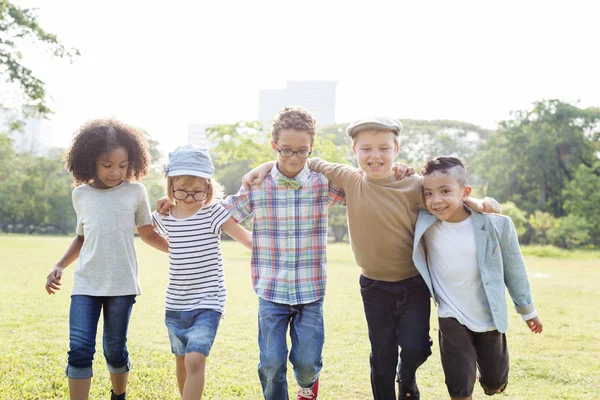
(196, 278)
(454, 270)
(106, 218)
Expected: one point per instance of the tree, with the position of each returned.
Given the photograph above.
(542, 225)
(17, 25)
(531, 158)
(517, 216)
(582, 197)
(421, 140)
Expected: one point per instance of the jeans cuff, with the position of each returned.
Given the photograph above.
(118, 370)
(78, 373)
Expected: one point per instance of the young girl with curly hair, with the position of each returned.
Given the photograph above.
(106, 158)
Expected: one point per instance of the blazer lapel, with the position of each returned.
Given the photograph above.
(481, 237)
(424, 221)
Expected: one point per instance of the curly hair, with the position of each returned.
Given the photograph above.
(100, 136)
(297, 118)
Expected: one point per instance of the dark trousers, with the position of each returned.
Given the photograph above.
(397, 315)
(463, 351)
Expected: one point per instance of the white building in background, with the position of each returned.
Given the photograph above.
(318, 97)
(32, 138)
(197, 135)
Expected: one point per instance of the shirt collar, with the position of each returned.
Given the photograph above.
(302, 175)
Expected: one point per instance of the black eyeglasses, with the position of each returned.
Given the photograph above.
(287, 153)
(198, 195)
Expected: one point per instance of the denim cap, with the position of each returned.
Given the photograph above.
(190, 160)
(378, 123)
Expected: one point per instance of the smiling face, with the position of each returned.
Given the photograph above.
(111, 168)
(294, 140)
(375, 152)
(444, 195)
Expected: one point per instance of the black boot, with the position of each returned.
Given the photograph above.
(410, 392)
(113, 396)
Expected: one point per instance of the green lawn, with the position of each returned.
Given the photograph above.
(562, 363)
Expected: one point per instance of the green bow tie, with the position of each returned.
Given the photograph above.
(283, 181)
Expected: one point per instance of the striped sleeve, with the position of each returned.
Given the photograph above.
(219, 216)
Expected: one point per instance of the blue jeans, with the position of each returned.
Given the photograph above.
(308, 335)
(192, 331)
(397, 315)
(83, 324)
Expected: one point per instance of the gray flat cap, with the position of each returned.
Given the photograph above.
(379, 123)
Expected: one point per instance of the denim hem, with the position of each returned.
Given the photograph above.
(78, 372)
(119, 370)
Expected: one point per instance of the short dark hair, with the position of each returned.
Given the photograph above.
(446, 165)
(103, 135)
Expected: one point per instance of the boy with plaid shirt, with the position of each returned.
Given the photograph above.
(289, 256)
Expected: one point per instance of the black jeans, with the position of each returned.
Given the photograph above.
(397, 315)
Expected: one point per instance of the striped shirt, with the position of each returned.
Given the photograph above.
(196, 279)
(289, 235)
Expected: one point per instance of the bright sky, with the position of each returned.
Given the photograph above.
(160, 65)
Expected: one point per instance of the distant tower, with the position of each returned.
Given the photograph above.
(318, 97)
(197, 135)
(31, 139)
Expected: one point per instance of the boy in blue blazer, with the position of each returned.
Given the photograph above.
(467, 259)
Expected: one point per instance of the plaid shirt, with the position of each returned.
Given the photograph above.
(289, 236)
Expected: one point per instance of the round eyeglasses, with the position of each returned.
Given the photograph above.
(198, 195)
(287, 153)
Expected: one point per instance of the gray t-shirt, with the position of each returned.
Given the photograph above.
(106, 218)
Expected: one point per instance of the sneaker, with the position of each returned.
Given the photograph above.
(408, 393)
(113, 396)
(309, 393)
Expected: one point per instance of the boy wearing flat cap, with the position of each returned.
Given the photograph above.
(382, 213)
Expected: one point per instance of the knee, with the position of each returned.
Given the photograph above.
(416, 355)
(116, 355)
(195, 363)
(81, 352)
(272, 368)
(307, 371)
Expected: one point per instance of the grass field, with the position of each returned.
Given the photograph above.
(562, 363)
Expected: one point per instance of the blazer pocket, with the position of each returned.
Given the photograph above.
(496, 251)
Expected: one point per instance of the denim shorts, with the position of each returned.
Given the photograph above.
(192, 331)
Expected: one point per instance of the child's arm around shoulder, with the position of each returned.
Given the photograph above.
(515, 273)
(338, 174)
(256, 176)
(486, 205)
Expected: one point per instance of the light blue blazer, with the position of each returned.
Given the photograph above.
(500, 263)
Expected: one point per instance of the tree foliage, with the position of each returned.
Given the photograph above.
(582, 197)
(18, 25)
(531, 158)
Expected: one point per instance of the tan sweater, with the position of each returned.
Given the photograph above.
(381, 219)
